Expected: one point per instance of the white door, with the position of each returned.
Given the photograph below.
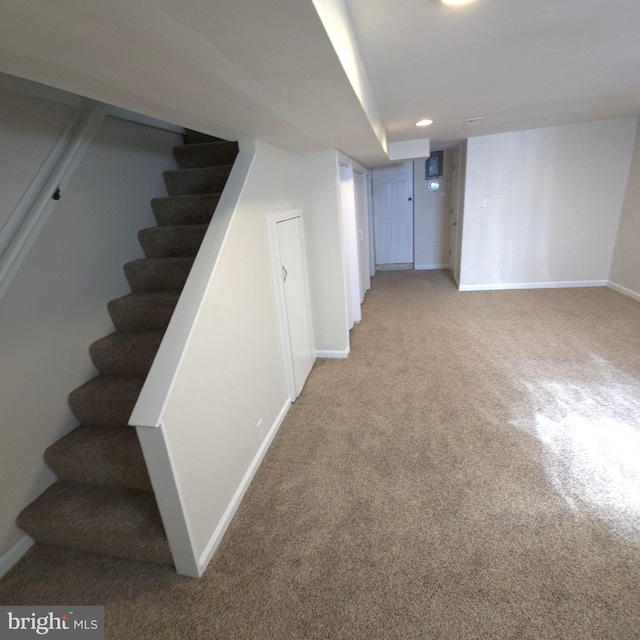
(362, 212)
(296, 299)
(393, 214)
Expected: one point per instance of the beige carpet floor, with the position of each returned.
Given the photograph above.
(472, 471)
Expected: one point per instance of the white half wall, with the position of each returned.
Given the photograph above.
(56, 304)
(230, 391)
(625, 269)
(229, 395)
(543, 206)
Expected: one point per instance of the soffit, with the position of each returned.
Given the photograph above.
(230, 67)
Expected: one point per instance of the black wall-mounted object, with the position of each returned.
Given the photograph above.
(435, 165)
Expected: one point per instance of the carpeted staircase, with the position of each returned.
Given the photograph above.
(103, 501)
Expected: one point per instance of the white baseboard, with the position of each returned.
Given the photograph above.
(428, 267)
(11, 557)
(333, 354)
(533, 285)
(620, 289)
(225, 521)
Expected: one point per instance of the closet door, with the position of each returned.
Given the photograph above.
(295, 315)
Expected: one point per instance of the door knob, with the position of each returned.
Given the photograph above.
(454, 224)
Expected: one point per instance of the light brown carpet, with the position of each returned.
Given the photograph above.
(472, 471)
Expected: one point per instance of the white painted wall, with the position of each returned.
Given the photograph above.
(56, 304)
(554, 198)
(319, 199)
(431, 217)
(625, 270)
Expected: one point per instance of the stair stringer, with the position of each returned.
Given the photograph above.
(149, 410)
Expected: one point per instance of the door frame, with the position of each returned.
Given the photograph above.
(280, 296)
(394, 168)
(360, 183)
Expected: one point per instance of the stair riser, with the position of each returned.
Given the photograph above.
(101, 456)
(108, 520)
(115, 475)
(103, 409)
(181, 210)
(141, 316)
(145, 278)
(196, 181)
(163, 242)
(129, 358)
(195, 156)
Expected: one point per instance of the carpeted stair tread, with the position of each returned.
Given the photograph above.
(205, 154)
(172, 241)
(143, 311)
(112, 520)
(126, 353)
(190, 209)
(158, 274)
(106, 400)
(99, 455)
(180, 182)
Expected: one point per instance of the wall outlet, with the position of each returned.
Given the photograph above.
(260, 429)
(483, 202)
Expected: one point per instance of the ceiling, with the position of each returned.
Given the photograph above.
(517, 64)
(268, 69)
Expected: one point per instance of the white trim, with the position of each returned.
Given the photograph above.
(349, 222)
(11, 557)
(428, 267)
(219, 532)
(132, 116)
(31, 213)
(620, 289)
(372, 239)
(169, 496)
(343, 353)
(533, 285)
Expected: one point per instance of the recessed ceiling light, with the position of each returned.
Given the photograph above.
(456, 1)
(424, 123)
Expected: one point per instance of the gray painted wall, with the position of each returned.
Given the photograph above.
(431, 217)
